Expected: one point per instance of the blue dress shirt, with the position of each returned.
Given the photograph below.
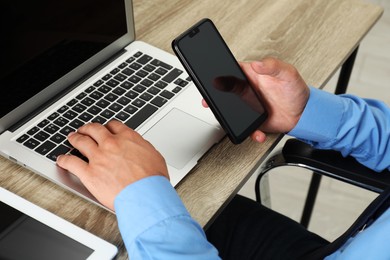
(155, 224)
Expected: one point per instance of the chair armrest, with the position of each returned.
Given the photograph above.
(332, 164)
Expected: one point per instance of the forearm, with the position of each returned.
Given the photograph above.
(154, 223)
(351, 125)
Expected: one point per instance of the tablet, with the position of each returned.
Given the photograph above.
(30, 232)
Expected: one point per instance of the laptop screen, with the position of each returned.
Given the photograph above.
(43, 40)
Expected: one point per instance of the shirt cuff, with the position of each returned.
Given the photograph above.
(145, 203)
(320, 121)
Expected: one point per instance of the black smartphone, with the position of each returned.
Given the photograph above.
(219, 78)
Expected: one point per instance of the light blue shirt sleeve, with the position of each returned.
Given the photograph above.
(349, 124)
(155, 224)
(360, 128)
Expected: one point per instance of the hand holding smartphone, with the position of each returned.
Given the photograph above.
(219, 78)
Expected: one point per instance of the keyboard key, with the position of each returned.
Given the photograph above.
(172, 75)
(167, 94)
(58, 138)
(159, 101)
(102, 103)
(159, 63)
(62, 109)
(123, 101)
(94, 110)
(76, 123)
(53, 116)
(127, 85)
(132, 94)
(139, 88)
(128, 71)
(85, 117)
(122, 116)
(147, 82)
(107, 114)
(141, 116)
(31, 143)
(79, 108)
(72, 102)
(146, 96)
(134, 79)
(87, 101)
(144, 59)
(41, 136)
(45, 147)
(115, 107)
(67, 130)
(62, 149)
(96, 95)
(99, 120)
(130, 60)
(115, 71)
(154, 77)
(104, 89)
(98, 83)
(153, 90)
(135, 66)
(149, 68)
(161, 84)
(77, 153)
(43, 123)
(138, 54)
(138, 103)
(120, 77)
(112, 83)
(176, 90)
(70, 114)
(141, 73)
(119, 91)
(107, 77)
(111, 97)
(122, 65)
(22, 138)
(33, 130)
(131, 109)
(161, 71)
(51, 129)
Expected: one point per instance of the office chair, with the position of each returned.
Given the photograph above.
(324, 163)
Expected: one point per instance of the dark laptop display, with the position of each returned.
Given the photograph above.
(41, 42)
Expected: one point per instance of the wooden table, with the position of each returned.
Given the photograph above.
(314, 35)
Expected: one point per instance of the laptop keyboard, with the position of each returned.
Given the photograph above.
(130, 93)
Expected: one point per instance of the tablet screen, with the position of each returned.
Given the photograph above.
(22, 237)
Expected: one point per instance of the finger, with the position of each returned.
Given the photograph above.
(84, 143)
(267, 66)
(204, 103)
(73, 164)
(116, 127)
(96, 131)
(258, 136)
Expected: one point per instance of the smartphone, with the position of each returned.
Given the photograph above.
(219, 78)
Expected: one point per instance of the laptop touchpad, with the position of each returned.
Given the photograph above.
(179, 136)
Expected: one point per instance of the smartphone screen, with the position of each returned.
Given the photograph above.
(219, 78)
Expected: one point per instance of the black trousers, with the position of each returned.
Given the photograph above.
(248, 230)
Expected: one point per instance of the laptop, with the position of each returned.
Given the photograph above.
(30, 232)
(65, 63)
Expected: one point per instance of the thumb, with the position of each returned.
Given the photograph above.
(269, 66)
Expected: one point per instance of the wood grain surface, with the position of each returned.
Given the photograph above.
(314, 35)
